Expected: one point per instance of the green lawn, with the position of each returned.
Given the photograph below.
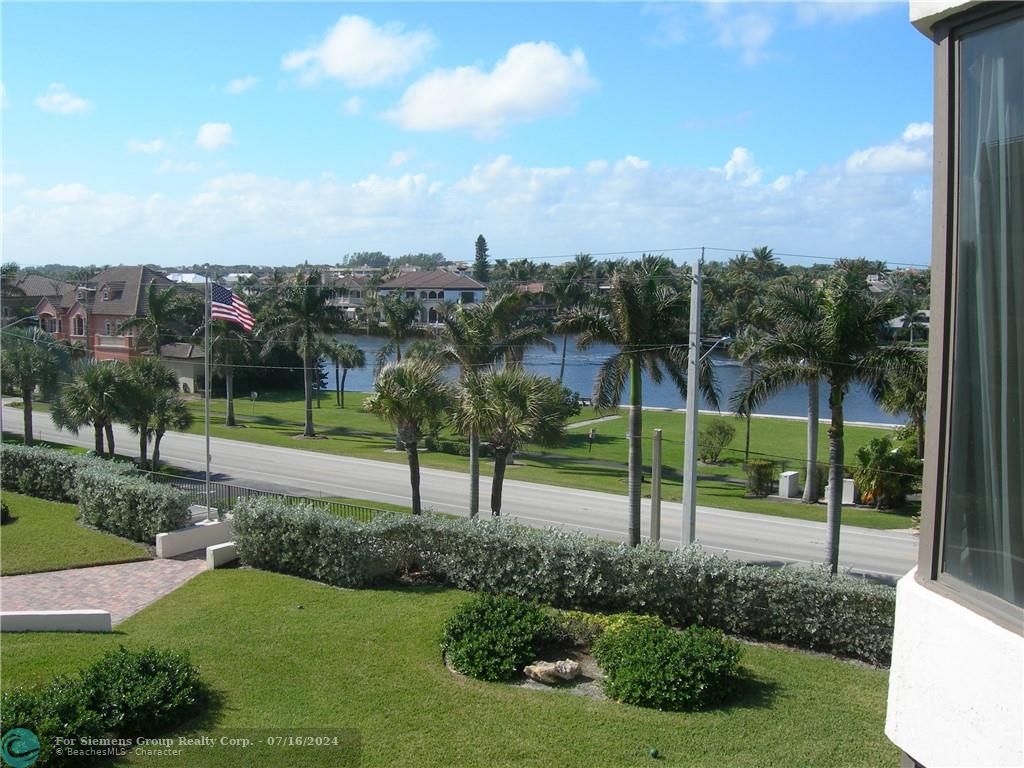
(285, 653)
(45, 537)
(276, 419)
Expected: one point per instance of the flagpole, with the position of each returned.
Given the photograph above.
(206, 387)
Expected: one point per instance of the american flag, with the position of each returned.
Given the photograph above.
(224, 305)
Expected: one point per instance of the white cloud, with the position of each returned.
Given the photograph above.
(353, 106)
(361, 54)
(62, 194)
(151, 147)
(836, 12)
(213, 136)
(917, 132)
(748, 33)
(242, 84)
(596, 167)
(59, 100)
(741, 167)
(400, 157)
(168, 166)
(532, 80)
(911, 154)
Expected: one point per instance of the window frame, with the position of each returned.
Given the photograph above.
(945, 193)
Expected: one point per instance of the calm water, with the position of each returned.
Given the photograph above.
(581, 367)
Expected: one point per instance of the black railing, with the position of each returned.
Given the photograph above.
(224, 496)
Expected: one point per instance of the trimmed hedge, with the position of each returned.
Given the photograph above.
(799, 607)
(50, 473)
(128, 506)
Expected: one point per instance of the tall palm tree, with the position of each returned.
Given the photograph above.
(230, 346)
(304, 312)
(906, 391)
(842, 345)
(413, 396)
(399, 316)
(95, 397)
(511, 407)
(146, 378)
(476, 337)
(643, 322)
(169, 412)
(766, 264)
(31, 359)
(345, 357)
(162, 321)
(566, 289)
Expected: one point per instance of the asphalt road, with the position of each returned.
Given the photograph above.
(884, 555)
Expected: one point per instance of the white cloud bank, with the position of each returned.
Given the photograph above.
(214, 136)
(608, 204)
(912, 153)
(60, 101)
(360, 53)
(532, 80)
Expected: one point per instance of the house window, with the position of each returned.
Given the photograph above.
(468, 297)
(979, 519)
(440, 295)
(410, 294)
(79, 325)
(106, 328)
(423, 294)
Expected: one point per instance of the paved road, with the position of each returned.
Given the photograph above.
(886, 555)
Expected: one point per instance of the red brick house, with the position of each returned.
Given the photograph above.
(93, 312)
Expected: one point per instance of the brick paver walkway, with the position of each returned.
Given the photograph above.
(121, 589)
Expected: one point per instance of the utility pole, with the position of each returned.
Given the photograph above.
(689, 532)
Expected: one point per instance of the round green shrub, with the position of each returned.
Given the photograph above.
(140, 692)
(492, 637)
(655, 666)
(5, 514)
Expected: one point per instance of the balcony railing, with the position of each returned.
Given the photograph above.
(115, 342)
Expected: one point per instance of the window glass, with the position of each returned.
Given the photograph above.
(983, 533)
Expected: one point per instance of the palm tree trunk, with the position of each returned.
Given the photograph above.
(154, 463)
(109, 429)
(919, 428)
(836, 458)
(229, 389)
(474, 473)
(500, 462)
(636, 459)
(26, 404)
(811, 483)
(307, 386)
(414, 475)
(341, 392)
(561, 370)
(98, 439)
(337, 384)
(143, 446)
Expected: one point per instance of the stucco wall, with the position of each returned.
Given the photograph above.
(956, 687)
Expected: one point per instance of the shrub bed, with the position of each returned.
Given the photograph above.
(651, 665)
(49, 473)
(131, 507)
(492, 637)
(127, 693)
(799, 607)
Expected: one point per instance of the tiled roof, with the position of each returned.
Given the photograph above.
(438, 280)
(37, 286)
(125, 288)
(181, 351)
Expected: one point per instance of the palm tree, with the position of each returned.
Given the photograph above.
(31, 359)
(302, 313)
(146, 378)
(842, 345)
(906, 391)
(511, 407)
(412, 396)
(643, 322)
(475, 337)
(230, 346)
(399, 316)
(566, 290)
(766, 265)
(169, 412)
(345, 357)
(163, 316)
(95, 397)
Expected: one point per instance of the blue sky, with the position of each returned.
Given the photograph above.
(276, 133)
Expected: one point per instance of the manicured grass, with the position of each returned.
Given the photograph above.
(285, 653)
(276, 418)
(45, 537)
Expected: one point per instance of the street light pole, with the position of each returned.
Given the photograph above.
(689, 532)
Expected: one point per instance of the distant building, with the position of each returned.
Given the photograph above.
(21, 294)
(188, 278)
(352, 294)
(434, 289)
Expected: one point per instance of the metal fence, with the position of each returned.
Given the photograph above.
(224, 496)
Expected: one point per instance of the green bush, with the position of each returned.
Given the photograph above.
(713, 440)
(655, 666)
(885, 473)
(806, 608)
(492, 637)
(5, 513)
(142, 692)
(760, 477)
(582, 628)
(60, 710)
(49, 473)
(132, 507)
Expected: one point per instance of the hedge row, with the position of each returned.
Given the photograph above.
(48, 473)
(799, 607)
(132, 507)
